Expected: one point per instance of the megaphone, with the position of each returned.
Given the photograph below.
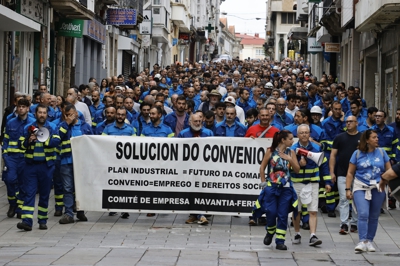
(42, 134)
(394, 185)
(317, 157)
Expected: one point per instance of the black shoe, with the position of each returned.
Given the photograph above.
(24, 226)
(262, 221)
(58, 213)
(382, 211)
(332, 214)
(281, 247)
(392, 203)
(353, 228)
(314, 241)
(344, 229)
(112, 213)
(66, 219)
(306, 226)
(323, 209)
(11, 211)
(268, 239)
(19, 215)
(124, 215)
(81, 216)
(42, 226)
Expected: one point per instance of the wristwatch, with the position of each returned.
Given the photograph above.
(347, 189)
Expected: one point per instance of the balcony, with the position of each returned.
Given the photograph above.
(376, 14)
(180, 16)
(74, 9)
(160, 34)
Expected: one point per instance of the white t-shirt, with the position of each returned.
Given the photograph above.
(83, 108)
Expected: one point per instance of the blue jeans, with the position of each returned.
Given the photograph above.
(368, 213)
(344, 203)
(67, 177)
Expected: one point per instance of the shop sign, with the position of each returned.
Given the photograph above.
(313, 46)
(145, 26)
(174, 41)
(121, 16)
(33, 9)
(332, 47)
(70, 28)
(184, 36)
(95, 30)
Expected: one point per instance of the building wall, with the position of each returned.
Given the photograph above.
(251, 51)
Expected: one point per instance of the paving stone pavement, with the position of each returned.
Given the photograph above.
(166, 240)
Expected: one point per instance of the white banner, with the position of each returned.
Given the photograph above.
(164, 175)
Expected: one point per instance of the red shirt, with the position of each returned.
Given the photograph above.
(255, 131)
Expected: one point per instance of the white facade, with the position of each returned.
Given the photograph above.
(252, 52)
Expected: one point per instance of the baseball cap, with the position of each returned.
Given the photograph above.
(316, 110)
(230, 99)
(307, 74)
(157, 76)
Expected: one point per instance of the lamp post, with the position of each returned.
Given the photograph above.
(226, 14)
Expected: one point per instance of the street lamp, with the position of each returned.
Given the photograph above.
(226, 14)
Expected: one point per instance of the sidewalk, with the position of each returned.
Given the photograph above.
(166, 240)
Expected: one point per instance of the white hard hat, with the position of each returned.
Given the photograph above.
(316, 110)
(275, 68)
(268, 85)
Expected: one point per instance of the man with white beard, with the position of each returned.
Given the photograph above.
(196, 130)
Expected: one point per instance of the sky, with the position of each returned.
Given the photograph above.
(247, 11)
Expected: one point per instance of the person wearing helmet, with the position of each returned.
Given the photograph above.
(316, 114)
(267, 90)
(275, 73)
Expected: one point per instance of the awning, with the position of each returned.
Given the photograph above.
(298, 33)
(12, 21)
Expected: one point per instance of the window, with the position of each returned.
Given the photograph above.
(156, 11)
(259, 52)
(157, 2)
(288, 18)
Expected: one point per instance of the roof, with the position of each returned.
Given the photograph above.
(224, 21)
(250, 39)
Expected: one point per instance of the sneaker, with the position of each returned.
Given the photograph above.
(124, 215)
(344, 229)
(361, 247)
(306, 226)
(58, 213)
(268, 239)
(297, 239)
(370, 247)
(42, 226)
(392, 203)
(281, 247)
(66, 219)
(11, 211)
(24, 226)
(314, 241)
(112, 213)
(252, 222)
(192, 219)
(332, 214)
(203, 220)
(353, 228)
(81, 216)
